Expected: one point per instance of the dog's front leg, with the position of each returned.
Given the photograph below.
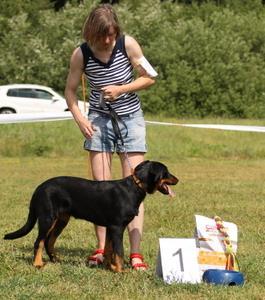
(114, 256)
(108, 251)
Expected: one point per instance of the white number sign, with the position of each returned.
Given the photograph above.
(177, 261)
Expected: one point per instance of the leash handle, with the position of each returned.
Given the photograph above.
(102, 102)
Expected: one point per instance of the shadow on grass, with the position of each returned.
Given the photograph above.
(73, 257)
(67, 256)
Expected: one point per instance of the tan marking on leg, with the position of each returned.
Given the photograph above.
(51, 243)
(55, 231)
(118, 264)
(38, 262)
(51, 228)
(108, 252)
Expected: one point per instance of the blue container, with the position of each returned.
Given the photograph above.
(223, 277)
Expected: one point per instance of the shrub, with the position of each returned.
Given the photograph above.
(210, 59)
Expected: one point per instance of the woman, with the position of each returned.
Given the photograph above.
(108, 58)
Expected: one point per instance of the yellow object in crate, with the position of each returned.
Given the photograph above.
(212, 258)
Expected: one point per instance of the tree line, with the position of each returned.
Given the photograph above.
(209, 54)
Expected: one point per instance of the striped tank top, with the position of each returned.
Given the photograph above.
(117, 71)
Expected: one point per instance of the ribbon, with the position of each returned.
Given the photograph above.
(231, 259)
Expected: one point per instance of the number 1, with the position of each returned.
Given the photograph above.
(179, 252)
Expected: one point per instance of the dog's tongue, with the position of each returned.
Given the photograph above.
(170, 192)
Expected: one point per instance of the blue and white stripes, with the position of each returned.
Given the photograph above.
(117, 71)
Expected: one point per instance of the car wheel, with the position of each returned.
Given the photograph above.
(7, 111)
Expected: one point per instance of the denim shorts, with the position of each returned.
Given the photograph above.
(104, 138)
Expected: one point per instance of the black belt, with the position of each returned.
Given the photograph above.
(106, 112)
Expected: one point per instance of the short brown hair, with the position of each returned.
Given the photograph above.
(98, 23)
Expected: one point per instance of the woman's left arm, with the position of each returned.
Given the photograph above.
(143, 81)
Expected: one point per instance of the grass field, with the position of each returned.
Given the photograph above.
(221, 173)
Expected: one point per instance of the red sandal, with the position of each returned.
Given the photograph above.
(95, 259)
(138, 266)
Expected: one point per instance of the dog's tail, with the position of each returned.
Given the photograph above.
(24, 230)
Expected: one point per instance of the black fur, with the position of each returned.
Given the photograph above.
(107, 203)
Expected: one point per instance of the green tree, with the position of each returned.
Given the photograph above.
(210, 59)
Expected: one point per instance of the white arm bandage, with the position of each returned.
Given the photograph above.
(144, 63)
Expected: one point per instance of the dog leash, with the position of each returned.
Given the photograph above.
(115, 120)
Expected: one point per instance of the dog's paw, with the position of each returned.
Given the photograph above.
(55, 259)
(39, 265)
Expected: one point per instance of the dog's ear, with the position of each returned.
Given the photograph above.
(157, 171)
(149, 174)
(155, 176)
(142, 172)
(141, 164)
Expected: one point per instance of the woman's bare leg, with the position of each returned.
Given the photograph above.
(101, 170)
(135, 228)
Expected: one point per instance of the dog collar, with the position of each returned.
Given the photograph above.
(138, 182)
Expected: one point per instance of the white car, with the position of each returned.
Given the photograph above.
(32, 98)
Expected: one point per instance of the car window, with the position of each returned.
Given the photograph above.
(41, 94)
(25, 93)
(12, 93)
(29, 93)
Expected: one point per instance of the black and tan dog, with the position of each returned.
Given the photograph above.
(112, 204)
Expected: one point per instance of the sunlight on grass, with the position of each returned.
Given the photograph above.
(220, 173)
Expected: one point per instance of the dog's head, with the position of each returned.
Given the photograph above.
(154, 176)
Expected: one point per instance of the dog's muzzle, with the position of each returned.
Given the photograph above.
(164, 185)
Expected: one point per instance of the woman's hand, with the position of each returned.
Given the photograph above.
(112, 92)
(86, 128)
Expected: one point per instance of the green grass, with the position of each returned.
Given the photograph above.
(221, 173)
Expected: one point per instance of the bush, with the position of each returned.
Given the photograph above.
(210, 59)
(209, 64)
